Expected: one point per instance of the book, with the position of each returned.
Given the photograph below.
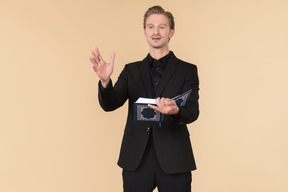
(144, 113)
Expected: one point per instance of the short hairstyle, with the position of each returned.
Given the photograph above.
(160, 11)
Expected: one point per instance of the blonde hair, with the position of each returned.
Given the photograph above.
(160, 11)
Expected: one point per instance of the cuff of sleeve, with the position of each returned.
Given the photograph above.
(177, 117)
(102, 88)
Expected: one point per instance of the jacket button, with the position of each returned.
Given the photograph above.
(148, 129)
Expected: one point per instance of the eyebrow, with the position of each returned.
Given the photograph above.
(153, 24)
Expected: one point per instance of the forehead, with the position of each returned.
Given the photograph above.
(157, 19)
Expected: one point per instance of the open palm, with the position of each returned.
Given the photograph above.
(103, 70)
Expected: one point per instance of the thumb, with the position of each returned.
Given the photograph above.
(112, 57)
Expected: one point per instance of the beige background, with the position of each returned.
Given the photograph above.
(55, 137)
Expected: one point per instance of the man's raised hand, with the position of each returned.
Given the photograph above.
(103, 70)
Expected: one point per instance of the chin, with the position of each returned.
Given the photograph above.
(157, 46)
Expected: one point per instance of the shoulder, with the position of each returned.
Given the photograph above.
(185, 64)
(133, 64)
(185, 68)
(137, 64)
(181, 63)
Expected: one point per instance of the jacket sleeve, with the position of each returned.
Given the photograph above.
(113, 97)
(190, 112)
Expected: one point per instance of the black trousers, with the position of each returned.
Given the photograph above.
(149, 175)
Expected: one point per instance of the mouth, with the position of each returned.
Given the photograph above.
(156, 38)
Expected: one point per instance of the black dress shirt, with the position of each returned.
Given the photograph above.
(157, 68)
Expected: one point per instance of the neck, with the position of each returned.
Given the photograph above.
(158, 53)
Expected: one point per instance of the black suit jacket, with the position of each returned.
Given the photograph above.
(171, 140)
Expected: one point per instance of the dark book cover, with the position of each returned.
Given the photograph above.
(144, 113)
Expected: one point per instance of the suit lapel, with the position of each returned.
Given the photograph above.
(145, 76)
(168, 72)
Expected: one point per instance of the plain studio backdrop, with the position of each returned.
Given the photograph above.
(55, 137)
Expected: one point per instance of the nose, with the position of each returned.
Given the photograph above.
(156, 30)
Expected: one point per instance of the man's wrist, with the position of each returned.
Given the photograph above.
(104, 83)
(177, 113)
(177, 110)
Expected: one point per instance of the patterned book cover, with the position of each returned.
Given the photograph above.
(144, 113)
(182, 99)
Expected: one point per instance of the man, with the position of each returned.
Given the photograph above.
(152, 154)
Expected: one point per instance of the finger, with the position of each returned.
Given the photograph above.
(98, 55)
(94, 64)
(162, 101)
(159, 103)
(154, 107)
(92, 60)
(169, 102)
(95, 57)
(93, 54)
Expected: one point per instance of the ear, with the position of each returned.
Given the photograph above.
(172, 32)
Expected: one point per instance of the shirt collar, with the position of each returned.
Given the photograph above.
(164, 60)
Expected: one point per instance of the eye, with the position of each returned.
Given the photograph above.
(162, 27)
